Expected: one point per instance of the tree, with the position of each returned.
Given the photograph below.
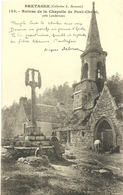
(48, 97)
(58, 94)
(115, 84)
(9, 120)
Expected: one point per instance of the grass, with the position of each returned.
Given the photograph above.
(73, 177)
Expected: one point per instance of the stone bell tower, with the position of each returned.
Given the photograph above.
(93, 70)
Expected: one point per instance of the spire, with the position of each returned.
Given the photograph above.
(93, 40)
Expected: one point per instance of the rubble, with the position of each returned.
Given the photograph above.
(70, 156)
(35, 161)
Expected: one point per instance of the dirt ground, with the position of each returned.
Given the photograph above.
(88, 174)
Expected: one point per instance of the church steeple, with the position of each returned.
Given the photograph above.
(93, 57)
(93, 40)
(93, 70)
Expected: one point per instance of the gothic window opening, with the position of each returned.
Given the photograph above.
(99, 70)
(98, 74)
(85, 71)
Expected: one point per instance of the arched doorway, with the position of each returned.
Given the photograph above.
(105, 132)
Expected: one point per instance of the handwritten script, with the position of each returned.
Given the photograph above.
(46, 33)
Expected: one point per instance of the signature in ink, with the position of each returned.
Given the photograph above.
(63, 49)
(70, 48)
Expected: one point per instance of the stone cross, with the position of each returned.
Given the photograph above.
(33, 83)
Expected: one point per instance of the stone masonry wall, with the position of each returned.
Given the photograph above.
(77, 138)
(106, 108)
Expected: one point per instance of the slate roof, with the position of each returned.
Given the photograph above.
(45, 113)
(93, 39)
(77, 118)
(48, 113)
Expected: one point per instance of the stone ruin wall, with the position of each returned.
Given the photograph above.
(78, 140)
(105, 108)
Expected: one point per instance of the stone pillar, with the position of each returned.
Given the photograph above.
(33, 84)
(33, 119)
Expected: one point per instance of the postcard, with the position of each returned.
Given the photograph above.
(62, 97)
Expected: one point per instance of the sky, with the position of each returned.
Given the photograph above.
(56, 67)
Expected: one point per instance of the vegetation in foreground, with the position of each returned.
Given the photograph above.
(89, 173)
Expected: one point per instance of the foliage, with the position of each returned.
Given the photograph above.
(115, 84)
(58, 94)
(9, 120)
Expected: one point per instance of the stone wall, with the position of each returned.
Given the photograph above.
(78, 139)
(106, 109)
(85, 94)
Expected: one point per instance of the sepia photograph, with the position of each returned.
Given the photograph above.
(62, 97)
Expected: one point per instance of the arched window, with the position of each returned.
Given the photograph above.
(99, 71)
(85, 71)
